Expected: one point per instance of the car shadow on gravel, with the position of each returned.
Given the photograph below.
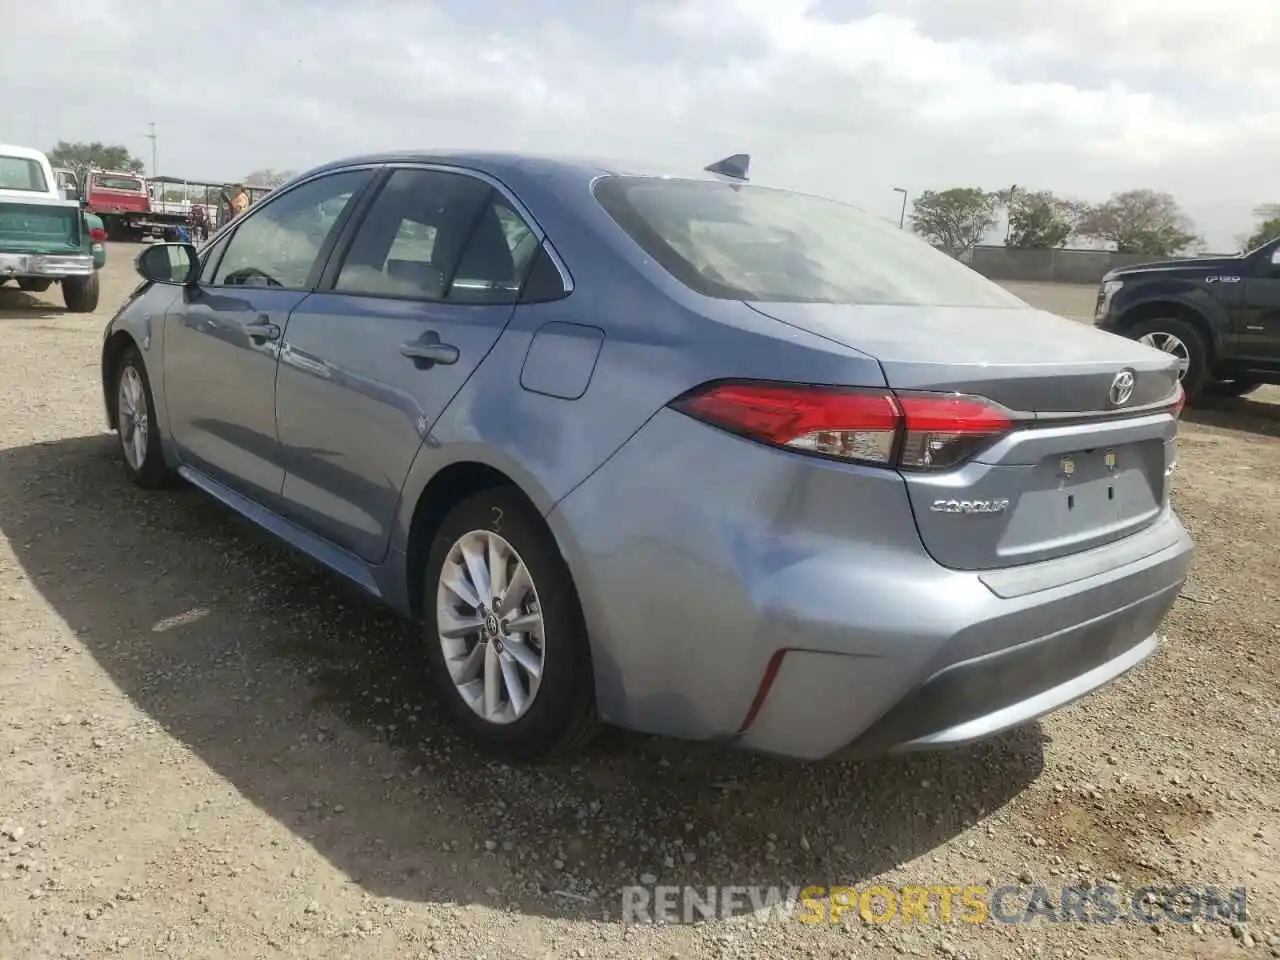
(308, 699)
(1244, 415)
(17, 304)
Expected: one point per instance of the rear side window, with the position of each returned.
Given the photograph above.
(108, 182)
(22, 173)
(439, 236)
(742, 242)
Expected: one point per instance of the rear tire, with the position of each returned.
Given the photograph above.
(80, 294)
(492, 544)
(136, 426)
(33, 285)
(1182, 339)
(1230, 388)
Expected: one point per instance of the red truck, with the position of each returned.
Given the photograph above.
(123, 202)
(135, 208)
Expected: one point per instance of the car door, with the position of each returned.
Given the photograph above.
(419, 291)
(1261, 336)
(222, 336)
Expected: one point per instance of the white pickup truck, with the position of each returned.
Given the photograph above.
(46, 238)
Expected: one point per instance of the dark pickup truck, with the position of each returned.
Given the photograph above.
(1220, 317)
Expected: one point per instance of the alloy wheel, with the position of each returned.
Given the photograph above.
(1170, 345)
(131, 418)
(490, 626)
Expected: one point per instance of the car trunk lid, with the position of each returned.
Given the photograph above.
(1087, 460)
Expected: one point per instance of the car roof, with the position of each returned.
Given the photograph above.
(25, 153)
(500, 164)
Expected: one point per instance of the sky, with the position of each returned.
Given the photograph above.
(848, 98)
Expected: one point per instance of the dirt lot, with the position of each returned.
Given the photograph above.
(211, 749)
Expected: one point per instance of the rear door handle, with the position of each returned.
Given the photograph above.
(262, 329)
(429, 351)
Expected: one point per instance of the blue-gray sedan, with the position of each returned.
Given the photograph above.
(667, 450)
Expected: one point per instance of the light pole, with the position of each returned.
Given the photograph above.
(1008, 234)
(155, 151)
(902, 217)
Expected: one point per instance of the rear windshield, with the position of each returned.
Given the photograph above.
(108, 182)
(742, 242)
(22, 173)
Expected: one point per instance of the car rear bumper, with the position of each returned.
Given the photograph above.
(786, 604)
(51, 266)
(951, 707)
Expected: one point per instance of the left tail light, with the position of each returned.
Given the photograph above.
(1179, 401)
(909, 431)
(98, 235)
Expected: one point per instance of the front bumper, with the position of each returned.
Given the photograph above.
(46, 265)
(785, 604)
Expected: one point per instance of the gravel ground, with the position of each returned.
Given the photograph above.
(211, 749)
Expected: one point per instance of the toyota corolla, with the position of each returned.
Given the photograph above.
(666, 450)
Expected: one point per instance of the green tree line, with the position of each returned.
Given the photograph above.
(104, 156)
(1142, 221)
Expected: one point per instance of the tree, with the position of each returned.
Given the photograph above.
(267, 178)
(80, 156)
(1038, 220)
(1148, 222)
(955, 219)
(1268, 228)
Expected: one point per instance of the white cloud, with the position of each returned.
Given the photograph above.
(1085, 97)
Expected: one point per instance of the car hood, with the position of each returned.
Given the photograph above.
(1200, 265)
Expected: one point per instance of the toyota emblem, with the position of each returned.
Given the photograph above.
(1121, 388)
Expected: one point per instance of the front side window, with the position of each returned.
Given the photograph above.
(742, 242)
(439, 236)
(22, 173)
(278, 245)
(209, 258)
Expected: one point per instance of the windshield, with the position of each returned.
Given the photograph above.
(742, 242)
(22, 173)
(108, 182)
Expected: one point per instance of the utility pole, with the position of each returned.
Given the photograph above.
(155, 151)
(902, 217)
(1013, 192)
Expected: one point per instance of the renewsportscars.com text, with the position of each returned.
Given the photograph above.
(944, 903)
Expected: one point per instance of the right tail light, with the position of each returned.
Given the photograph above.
(907, 431)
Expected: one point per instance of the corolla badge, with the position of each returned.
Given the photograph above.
(969, 506)
(1121, 388)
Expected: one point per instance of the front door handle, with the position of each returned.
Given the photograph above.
(262, 329)
(428, 351)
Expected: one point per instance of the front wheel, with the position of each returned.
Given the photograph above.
(136, 426)
(80, 294)
(1181, 340)
(33, 284)
(505, 636)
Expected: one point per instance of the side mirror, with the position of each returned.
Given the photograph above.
(1275, 257)
(177, 263)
